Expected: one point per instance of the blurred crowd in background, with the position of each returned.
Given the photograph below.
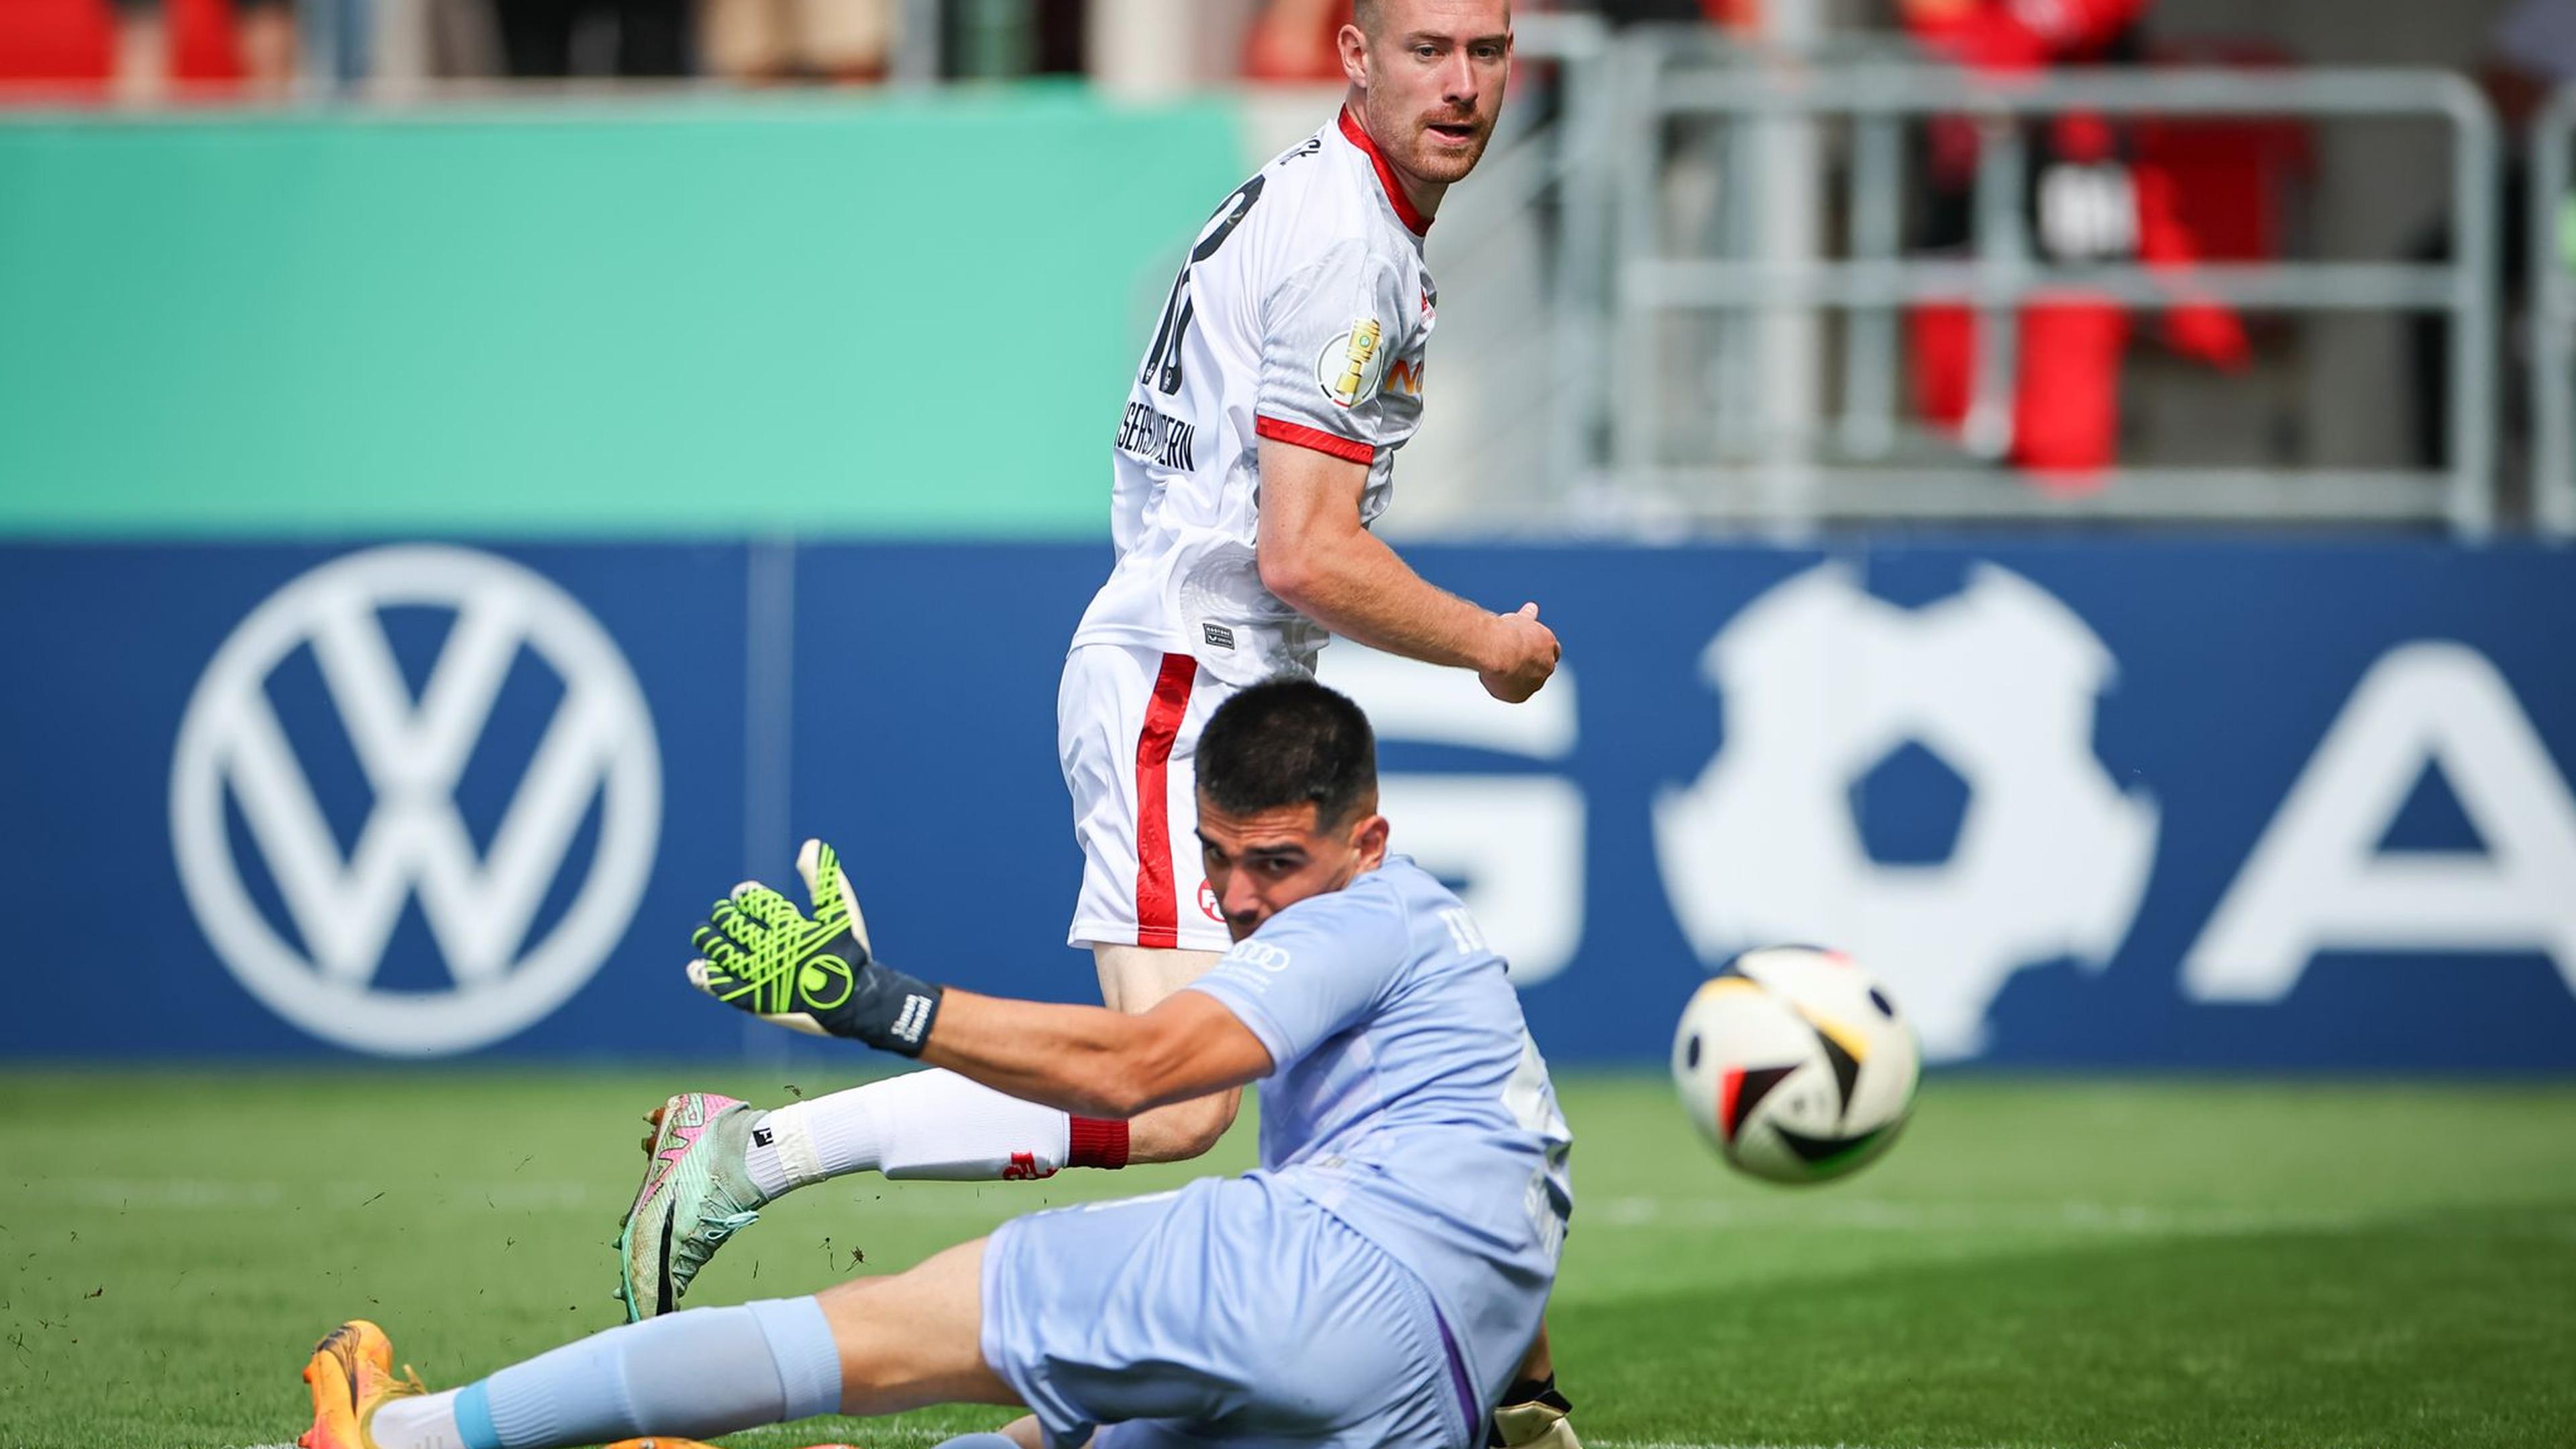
(143, 51)
(148, 50)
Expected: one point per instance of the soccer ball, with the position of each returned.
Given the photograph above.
(1795, 1064)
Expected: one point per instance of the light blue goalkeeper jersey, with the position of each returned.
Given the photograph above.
(1407, 1100)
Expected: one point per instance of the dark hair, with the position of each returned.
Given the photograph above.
(1288, 741)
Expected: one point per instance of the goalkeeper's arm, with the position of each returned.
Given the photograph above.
(760, 954)
(1092, 1061)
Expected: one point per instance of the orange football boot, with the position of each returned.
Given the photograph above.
(351, 1377)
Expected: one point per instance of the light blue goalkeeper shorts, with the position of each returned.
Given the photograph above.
(1233, 1312)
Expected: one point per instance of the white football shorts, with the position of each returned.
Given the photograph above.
(1127, 726)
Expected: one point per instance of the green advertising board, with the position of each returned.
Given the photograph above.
(744, 316)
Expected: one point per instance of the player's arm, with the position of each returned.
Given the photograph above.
(1271, 1000)
(759, 953)
(1315, 555)
(1093, 1061)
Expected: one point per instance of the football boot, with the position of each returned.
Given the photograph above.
(696, 1194)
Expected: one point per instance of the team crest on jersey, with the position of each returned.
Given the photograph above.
(1350, 365)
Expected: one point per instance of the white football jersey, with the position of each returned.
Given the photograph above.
(1302, 315)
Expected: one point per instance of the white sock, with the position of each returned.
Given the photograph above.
(428, 1422)
(928, 1124)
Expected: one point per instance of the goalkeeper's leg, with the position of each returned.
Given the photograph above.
(872, 1346)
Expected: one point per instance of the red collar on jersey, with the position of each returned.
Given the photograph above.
(1404, 208)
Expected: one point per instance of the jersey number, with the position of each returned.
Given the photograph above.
(1531, 1099)
(1165, 355)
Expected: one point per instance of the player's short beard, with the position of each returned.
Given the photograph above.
(1445, 167)
(1404, 139)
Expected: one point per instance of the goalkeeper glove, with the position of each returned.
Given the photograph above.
(758, 953)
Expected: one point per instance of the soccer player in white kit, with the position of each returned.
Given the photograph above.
(1256, 447)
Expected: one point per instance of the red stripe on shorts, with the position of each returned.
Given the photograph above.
(1158, 920)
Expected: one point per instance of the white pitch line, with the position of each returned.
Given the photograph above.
(1880, 1215)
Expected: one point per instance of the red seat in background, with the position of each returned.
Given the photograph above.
(51, 50)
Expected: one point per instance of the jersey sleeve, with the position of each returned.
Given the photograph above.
(1328, 335)
(1310, 973)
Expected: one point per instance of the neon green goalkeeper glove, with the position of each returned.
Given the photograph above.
(758, 953)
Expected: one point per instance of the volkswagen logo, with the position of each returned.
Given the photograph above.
(413, 749)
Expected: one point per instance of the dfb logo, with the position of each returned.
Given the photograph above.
(1819, 682)
(599, 745)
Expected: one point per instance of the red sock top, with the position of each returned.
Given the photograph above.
(1096, 1142)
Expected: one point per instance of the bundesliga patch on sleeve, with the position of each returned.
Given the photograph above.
(1350, 365)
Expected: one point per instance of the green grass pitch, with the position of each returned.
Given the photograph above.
(2039, 1262)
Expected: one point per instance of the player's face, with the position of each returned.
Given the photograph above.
(1433, 78)
(1262, 863)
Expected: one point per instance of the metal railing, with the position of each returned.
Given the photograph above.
(2553, 317)
(1523, 250)
(1775, 460)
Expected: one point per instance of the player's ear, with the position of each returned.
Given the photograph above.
(1353, 48)
(1369, 838)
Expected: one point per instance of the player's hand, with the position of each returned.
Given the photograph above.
(758, 953)
(1527, 652)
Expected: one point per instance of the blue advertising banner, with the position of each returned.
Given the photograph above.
(2079, 803)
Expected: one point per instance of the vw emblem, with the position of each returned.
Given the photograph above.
(480, 908)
